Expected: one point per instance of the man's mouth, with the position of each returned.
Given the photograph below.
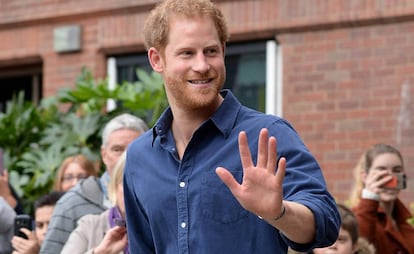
(200, 82)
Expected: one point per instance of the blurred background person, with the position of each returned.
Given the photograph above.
(90, 195)
(9, 194)
(382, 216)
(7, 215)
(73, 169)
(349, 241)
(43, 209)
(105, 232)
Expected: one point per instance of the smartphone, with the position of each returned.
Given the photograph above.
(398, 182)
(22, 221)
(120, 222)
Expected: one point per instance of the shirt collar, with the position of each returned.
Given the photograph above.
(224, 118)
(226, 115)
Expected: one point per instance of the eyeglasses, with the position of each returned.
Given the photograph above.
(70, 177)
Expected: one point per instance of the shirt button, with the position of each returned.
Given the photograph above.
(183, 224)
(182, 184)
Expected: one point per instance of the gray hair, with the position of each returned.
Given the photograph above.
(123, 121)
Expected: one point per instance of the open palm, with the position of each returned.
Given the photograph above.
(261, 190)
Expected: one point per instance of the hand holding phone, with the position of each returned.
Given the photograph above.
(22, 221)
(120, 222)
(398, 181)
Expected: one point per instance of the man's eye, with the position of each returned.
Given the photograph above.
(186, 53)
(211, 52)
(118, 149)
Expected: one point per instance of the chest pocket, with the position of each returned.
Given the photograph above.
(217, 202)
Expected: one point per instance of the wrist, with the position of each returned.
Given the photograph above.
(11, 201)
(97, 250)
(277, 217)
(367, 194)
(281, 214)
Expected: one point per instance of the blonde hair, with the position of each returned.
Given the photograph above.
(116, 178)
(156, 27)
(79, 159)
(358, 183)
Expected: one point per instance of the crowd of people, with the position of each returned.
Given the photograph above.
(211, 176)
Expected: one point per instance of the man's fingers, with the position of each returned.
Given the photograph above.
(228, 179)
(272, 155)
(262, 149)
(281, 170)
(27, 232)
(244, 150)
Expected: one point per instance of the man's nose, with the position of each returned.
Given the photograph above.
(201, 63)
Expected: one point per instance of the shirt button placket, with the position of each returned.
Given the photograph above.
(183, 217)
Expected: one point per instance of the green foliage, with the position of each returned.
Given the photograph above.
(145, 98)
(36, 139)
(21, 125)
(411, 220)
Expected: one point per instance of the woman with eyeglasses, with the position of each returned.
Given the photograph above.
(105, 232)
(72, 170)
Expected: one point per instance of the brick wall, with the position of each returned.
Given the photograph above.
(348, 66)
(346, 89)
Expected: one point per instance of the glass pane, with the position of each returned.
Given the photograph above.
(127, 65)
(246, 77)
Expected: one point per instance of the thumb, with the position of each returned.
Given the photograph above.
(228, 179)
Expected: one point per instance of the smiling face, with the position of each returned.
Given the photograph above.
(192, 63)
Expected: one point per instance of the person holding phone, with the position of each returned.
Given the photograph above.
(105, 232)
(7, 215)
(5, 189)
(382, 217)
(26, 240)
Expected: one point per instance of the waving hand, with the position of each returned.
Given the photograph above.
(261, 189)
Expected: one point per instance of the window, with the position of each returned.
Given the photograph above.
(246, 73)
(127, 65)
(22, 78)
(252, 70)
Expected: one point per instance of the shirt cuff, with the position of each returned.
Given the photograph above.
(366, 194)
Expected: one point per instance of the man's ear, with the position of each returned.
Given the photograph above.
(103, 154)
(154, 57)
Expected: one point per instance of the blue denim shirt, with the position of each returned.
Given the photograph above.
(181, 206)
